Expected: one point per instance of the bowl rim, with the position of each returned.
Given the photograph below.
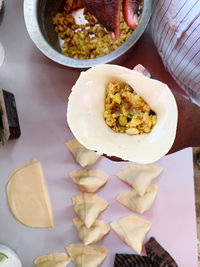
(33, 28)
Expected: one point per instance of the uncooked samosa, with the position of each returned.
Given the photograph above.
(93, 234)
(89, 180)
(139, 176)
(88, 206)
(86, 256)
(132, 200)
(132, 230)
(82, 155)
(52, 260)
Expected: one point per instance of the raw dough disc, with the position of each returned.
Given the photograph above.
(28, 197)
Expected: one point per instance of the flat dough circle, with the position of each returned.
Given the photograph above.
(28, 197)
(86, 121)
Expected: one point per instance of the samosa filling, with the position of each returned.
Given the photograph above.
(126, 111)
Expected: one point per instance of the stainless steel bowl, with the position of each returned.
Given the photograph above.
(38, 16)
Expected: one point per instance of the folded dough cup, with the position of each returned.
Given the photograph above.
(86, 106)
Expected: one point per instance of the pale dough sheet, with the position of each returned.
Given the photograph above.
(28, 197)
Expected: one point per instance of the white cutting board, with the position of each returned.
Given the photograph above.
(172, 215)
(41, 88)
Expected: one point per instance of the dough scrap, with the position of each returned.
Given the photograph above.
(92, 235)
(139, 176)
(28, 196)
(89, 180)
(81, 154)
(87, 256)
(132, 200)
(132, 231)
(88, 206)
(52, 260)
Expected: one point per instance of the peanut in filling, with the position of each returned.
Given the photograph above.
(126, 111)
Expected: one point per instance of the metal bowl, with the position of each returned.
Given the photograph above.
(38, 16)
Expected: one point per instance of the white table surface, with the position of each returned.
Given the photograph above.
(41, 88)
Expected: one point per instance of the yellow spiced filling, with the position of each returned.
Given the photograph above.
(126, 111)
(90, 39)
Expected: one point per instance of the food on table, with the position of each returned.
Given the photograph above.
(132, 200)
(132, 230)
(52, 260)
(88, 206)
(93, 234)
(82, 155)
(126, 111)
(85, 115)
(89, 180)
(87, 256)
(139, 176)
(158, 255)
(85, 38)
(125, 260)
(28, 196)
